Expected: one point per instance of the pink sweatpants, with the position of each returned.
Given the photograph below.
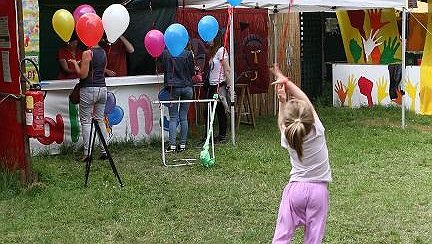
(306, 204)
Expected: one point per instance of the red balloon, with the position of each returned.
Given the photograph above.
(89, 29)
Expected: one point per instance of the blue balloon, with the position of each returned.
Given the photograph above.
(116, 116)
(235, 2)
(176, 38)
(110, 103)
(208, 28)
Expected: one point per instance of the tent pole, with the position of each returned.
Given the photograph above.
(232, 77)
(275, 104)
(404, 19)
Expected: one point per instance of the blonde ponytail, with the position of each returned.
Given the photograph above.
(297, 119)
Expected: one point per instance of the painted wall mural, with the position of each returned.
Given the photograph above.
(129, 114)
(370, 36)
(31, 35)
(370, 85)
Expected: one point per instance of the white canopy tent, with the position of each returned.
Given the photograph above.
(298, 5)
(301, 6)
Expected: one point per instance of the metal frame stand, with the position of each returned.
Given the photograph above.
(91, 148)
(183, 161)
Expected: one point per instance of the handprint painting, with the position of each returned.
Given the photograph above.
(370, 36)
(357, 86)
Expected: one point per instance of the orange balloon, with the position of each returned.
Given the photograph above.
(89, 29)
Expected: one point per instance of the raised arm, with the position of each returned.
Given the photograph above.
(282, 96)
(291, 88)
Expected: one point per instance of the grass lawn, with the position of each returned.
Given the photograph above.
(381, 189)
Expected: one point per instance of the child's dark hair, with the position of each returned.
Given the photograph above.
(298, 119)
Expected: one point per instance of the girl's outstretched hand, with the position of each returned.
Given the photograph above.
(280, 78)
(282, 96)
(280, 83)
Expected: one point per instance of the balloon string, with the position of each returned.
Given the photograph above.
(157, 77)
(109, 52)
(156, 66)
(285, 32)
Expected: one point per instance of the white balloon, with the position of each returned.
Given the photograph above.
(115, 20)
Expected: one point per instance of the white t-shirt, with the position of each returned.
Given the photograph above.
(215, 66)
(315, 165)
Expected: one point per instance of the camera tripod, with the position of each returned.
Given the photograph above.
(92, 138)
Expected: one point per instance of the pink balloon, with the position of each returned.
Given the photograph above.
(81, 10)
(154, 43)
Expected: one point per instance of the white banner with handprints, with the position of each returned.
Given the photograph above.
(129, 111)
(369, 85)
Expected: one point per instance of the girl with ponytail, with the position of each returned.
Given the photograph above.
(305, 199)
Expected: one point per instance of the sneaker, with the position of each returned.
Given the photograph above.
(171, 149)
(181, 148)
(103, 156)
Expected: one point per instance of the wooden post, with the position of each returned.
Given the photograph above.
(26, 175)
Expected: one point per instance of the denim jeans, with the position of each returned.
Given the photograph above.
(179, 111)
(92, 105)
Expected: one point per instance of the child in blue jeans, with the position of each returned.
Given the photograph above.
(305, 199)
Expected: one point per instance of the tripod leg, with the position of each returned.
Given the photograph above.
(105, 146)
(90, 153)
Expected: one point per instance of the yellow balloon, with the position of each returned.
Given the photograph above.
(63, 23)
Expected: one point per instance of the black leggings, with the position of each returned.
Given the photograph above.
(220, 110)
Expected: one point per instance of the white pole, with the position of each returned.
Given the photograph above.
(163, 136)
(232, 78)
(402, 85)
(275, 59)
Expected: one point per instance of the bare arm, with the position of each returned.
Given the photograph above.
(76, 66)
(282, 96)
(64, 66)
(291, 88)
(225, 65)
(128, 45)
(85, 64)
(227, 70)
